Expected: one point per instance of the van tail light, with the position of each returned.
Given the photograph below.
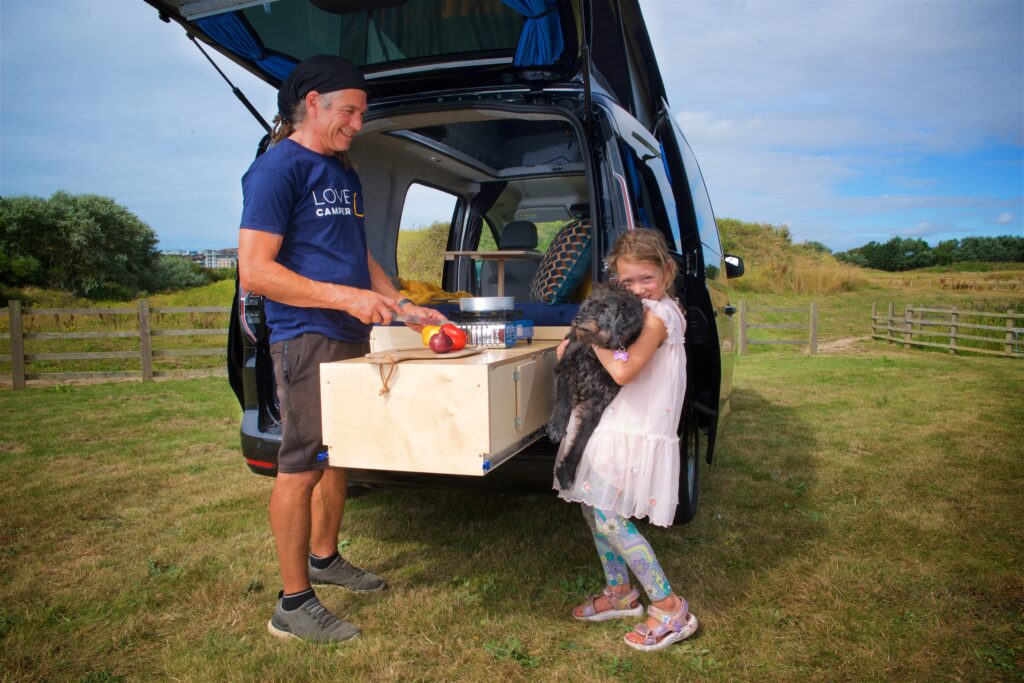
(260, 463)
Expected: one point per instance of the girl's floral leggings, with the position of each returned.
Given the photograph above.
(620, 545)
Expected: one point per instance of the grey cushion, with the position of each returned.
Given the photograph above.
(518, 236)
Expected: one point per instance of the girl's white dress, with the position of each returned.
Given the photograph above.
(631, 463)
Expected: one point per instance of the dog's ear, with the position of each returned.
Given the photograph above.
(588, 332)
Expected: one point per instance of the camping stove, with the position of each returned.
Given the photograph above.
(494, 329)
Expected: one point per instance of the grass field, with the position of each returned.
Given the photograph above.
(862, 521)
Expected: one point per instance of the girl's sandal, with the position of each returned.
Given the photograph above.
(672, 627)
(620, 607)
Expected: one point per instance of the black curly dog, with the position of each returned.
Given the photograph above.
(611, 318)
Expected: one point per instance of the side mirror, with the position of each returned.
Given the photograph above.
(733, 266)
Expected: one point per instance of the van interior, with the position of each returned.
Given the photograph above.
(516, 179)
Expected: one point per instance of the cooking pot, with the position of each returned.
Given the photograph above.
(486, 304)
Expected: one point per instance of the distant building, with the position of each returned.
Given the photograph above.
(180, 253)
(220, 258)
(208, 258)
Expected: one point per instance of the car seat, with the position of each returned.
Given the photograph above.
(519, 271)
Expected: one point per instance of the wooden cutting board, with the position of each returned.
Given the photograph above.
(387, 360)
(417, 353)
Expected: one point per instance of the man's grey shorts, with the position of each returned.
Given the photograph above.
(297, 371)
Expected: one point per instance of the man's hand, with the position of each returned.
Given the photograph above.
(422, 312)
(370, 307)
(419, 311)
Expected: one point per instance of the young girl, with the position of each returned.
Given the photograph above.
(630, 467)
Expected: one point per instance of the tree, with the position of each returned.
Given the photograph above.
(86, 244)
(815, 246)
(905, 254)
(896, 254)
(173, 272)
(944, 252)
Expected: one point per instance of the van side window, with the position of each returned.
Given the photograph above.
(655, 205)
(706, 226)
(427, 217)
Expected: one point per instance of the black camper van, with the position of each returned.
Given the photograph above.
(524, 112)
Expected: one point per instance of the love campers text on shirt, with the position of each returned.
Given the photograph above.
(334, 202)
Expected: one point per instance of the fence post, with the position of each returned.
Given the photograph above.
(888, 324)
(813, 346)
(874, 314)
(1008, 348)
(908, 325)
(145, 341)
(17, 345)
(954, 318)
(743, 327)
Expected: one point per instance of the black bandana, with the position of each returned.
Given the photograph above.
(322, 73)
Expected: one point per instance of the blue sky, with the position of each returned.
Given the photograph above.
(847, 121)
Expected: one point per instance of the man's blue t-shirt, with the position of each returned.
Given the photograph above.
(317, 205)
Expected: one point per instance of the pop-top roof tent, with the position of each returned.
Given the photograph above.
(420, 46)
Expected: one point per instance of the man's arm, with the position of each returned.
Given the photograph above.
(258, 272)
(379, 280)
(381, 283)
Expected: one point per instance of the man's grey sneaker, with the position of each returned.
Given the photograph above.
(311, 622)
(343, 573)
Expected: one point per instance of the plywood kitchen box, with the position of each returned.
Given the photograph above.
(443, 415)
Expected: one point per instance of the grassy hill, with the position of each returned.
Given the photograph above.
(774, 264)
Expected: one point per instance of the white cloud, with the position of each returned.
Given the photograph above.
(927, 228)
(944, 75)
(103, 97)
(784, 103)
(787, 104)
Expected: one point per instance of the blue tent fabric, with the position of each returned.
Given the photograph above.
(278, 66)
(235, 35)
(540, 43)
(664, 162)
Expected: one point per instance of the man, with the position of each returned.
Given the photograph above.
(302, 245)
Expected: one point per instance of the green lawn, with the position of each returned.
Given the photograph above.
(862, 521)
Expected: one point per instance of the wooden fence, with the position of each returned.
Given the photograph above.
(913, 328)
(18, 358)
(811, 326)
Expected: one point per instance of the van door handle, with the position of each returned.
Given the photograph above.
(730, 310)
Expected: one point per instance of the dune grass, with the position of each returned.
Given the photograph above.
(775, 265)
(861, 522)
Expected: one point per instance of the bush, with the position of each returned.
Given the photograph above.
(900, 254)
(420, 253)
(85, 244)
(173, 273)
